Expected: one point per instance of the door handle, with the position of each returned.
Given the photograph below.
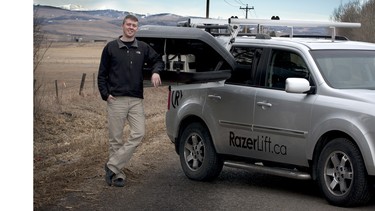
(215, 97)
(264, 105)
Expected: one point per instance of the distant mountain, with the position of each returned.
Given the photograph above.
(77, 24)
(72, 23)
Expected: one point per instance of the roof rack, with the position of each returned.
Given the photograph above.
(230, 30)
(295, 23)
(337, 37)
(194, 22)
(232, 25)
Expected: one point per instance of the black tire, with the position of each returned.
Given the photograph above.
(342, 175)
(198, 157)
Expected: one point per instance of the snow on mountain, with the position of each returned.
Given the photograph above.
(72, 7)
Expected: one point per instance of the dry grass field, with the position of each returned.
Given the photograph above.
(70, 130)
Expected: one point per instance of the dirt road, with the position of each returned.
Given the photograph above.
(159, 184)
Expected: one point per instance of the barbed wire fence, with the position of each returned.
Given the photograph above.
(83, 86)
(55, 92)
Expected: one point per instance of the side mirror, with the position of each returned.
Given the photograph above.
(297, 85)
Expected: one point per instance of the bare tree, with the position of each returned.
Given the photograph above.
(368, 21)
(41, 46)
(355, 11)
(40, 40)
(349, 12)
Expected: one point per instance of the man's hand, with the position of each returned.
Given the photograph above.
(110, 97)
(155, 79)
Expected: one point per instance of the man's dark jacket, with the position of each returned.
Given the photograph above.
(120, 69)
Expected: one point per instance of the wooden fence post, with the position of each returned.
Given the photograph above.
(93, 83)
(57, 91)
(82, 83)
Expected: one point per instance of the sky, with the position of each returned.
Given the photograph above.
(262, 9)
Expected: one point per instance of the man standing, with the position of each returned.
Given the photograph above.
(120, 83)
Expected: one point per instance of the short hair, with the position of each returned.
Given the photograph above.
(131, 17)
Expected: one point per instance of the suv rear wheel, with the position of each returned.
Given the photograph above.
(198, 157)
(342, 175)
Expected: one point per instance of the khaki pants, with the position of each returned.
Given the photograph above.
(120, 151)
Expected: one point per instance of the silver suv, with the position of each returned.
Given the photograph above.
(302, 108)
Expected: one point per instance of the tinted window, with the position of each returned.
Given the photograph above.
(247, 59)
(243, 55)
(282, 65)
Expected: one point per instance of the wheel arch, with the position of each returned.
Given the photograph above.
(344, 126)
(324, 140)
(184, 123)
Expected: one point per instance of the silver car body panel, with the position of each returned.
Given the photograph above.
(273, 125)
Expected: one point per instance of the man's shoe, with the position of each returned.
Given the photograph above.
(119, 182)
(108, 175)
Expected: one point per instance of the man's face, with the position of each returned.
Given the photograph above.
(129, 28)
